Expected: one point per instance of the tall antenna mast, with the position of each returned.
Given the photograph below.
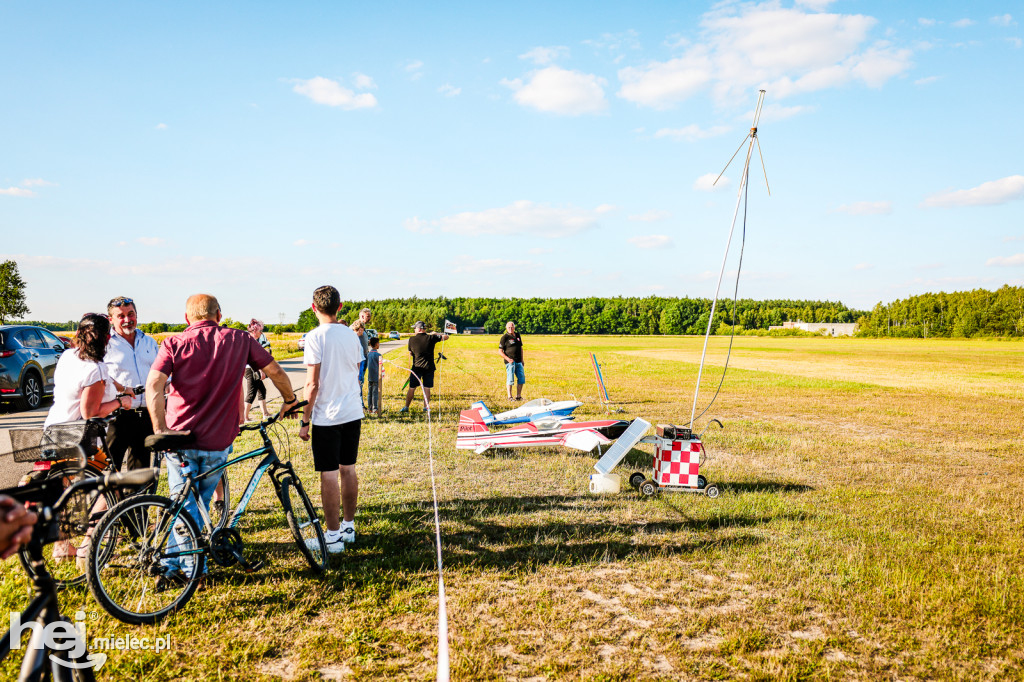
(744, 177)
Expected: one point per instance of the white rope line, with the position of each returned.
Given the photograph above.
(443, 654)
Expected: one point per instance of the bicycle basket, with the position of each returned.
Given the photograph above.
(46, 451)
(85, 434)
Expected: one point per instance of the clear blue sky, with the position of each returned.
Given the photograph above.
(257, 150)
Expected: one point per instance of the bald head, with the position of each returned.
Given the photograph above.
(202, 307)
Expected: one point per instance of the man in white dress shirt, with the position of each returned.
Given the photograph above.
(129, 356)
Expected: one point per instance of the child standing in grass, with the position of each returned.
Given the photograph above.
(373, 376)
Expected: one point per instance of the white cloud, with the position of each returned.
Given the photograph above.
(464, 264)
(777, 112)
(788, 51)
(449, 90)
(151, 241)
(160, 126)
(363, 82)
(705, 183)
(926, 81)
(985, 194)
(692, 132)
(37, 182)
(545, 55)
(1018, 238)
(962, 23)
(333, 94)
(926, 22)
(605, 208)
(536, 251)
(301, 242)
(660, 85)
(560, 91)
(651, 216)
(417, 226)
(866, 208)
(651, 241)
(863, 266)
(1016, 259)
(1016, 42)
(520, 217)
(1003, 20)
(413, 68)
(17, 192)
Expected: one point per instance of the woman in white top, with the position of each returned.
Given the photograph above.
(82, 385)
(83, 389)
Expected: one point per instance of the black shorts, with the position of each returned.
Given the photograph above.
(427, 377)
(335, 446)
(254, 387)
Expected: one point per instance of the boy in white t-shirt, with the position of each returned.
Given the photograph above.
(333, 415)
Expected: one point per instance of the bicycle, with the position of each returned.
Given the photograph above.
(56, 457)
(56, 649)
(144, 580)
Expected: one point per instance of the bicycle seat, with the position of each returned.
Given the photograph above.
(161, 442)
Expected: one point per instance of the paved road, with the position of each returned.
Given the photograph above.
(33, 419)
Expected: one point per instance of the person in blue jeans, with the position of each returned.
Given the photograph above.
(510, 346)
(204, 364)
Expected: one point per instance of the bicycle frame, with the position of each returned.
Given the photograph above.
(270, 461)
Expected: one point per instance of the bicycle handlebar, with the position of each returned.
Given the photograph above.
(267, 422)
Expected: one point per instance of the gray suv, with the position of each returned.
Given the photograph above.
(28, 358)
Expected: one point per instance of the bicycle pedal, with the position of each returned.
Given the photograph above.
(252, 568)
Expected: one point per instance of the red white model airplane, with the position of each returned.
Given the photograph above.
(474, 434)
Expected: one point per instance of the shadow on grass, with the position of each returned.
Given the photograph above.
(516, 533)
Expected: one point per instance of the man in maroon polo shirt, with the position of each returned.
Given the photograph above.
(206, 363)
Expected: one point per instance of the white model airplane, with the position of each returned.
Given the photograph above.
(534, 410)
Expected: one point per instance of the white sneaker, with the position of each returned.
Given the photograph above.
(332, 547)
(348, 534)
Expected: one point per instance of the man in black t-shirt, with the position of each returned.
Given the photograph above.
(510, 347)
(421, 348)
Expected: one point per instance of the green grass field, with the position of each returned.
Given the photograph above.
(869, 527)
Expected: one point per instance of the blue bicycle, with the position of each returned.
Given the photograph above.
(147, 558)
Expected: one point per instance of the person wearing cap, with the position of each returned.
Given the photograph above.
(129, 356)
(255, 389)
(421, 348)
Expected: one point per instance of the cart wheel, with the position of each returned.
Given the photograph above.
(648, 488)
(636, 479)
(711, 491)
(702, 482)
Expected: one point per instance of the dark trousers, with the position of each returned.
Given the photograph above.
(126, 440)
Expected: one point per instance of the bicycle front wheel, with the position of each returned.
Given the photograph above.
(140, 569)
(304, 523)
(77, 520)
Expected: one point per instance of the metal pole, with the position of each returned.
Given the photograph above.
(739, 197)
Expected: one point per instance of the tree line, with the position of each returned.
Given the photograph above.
(650, 315)
(964, 314)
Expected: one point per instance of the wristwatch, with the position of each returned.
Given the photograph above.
(303, 424)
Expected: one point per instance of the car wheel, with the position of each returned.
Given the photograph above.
(31, 392)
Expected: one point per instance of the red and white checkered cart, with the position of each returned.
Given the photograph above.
(677, 459)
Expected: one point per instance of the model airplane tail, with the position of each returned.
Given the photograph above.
(472, 421)
(485, 412)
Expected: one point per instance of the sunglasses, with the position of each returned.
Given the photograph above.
(118, 302)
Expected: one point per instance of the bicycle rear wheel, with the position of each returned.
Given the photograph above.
(139, 570)
(76, 520)
(304, 523)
